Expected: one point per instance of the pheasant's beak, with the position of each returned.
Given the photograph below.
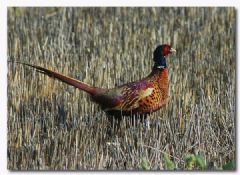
(172, 50)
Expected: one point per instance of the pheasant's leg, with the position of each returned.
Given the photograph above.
(145, 120)
(143, 117)
(147, 124)
(139, 118)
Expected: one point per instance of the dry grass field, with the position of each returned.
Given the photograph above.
(52, 126)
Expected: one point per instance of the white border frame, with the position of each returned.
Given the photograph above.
(3, 50)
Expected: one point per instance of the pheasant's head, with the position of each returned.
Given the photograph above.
(163, 51)
(160, 53)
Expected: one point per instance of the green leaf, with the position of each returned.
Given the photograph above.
(190, 161)
(145, 164)
(200, 162)
(169, 164)
(229, 166)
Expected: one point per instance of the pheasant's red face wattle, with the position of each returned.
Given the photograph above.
(166, 50)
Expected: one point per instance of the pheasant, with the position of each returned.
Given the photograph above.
(140, 97)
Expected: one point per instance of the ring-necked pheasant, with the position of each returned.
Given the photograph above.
(139, 97)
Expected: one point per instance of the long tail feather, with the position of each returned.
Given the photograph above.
(71, 81)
